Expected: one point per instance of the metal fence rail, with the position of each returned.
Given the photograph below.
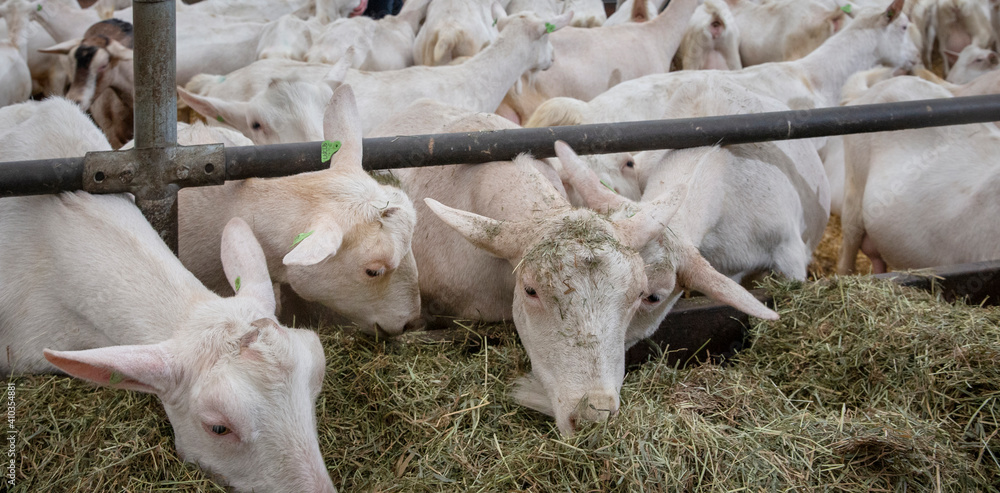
(57, 175)
(157, 167)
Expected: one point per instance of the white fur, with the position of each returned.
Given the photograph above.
(589, 61)
(781, 30)
(952, 25)
(287, 37)
(972, 62)
(478, 84)
(453, 29)
(586, 13)
(924, 197)
(712, 41)
(357, 261)
(15, 75)
(205, 43)
(85, 278)
(504, 229)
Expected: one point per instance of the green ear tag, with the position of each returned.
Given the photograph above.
(220, 119)
(607, 186)
(330, 147)
(39, 8)
(549, 27)
(494, 20)
(301, 236)
(846, 8)
(116, 378)
(237, 284)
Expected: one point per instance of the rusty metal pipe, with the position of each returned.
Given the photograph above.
(29, 177)
(155, 65)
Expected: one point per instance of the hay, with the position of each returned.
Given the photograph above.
(862, 386)
(824, 262)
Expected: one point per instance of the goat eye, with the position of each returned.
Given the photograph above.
(630, 164)
(653, 298)
(256, 125)
(220, 430)
(530, 291)
(374, 273)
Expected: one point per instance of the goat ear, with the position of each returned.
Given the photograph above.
(313, 246)
(583, 179)
(342, 122)
(560, 22)
(145, 368)
(335, 77)
(498, 12)
(489, 235)
(694, 272)
(894, 10)
(233, 113)
(652, 218)
(119, 51)
(245, 265)
(62, 48)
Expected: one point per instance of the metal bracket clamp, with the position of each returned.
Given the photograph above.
(133, 170)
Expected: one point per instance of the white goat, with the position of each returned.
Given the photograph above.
(781, 30)
(586, 13)
(455, 28)
(379, 45)
(514, 248)
(627, 12)
(541, 8)
(287, 37)
(971, 63)
(336, 236)
(86, 276)
(332, 41)
(811, 82)
(479, 84)
(673, 261)
(15, 75)
(205, 43)
(952, 25)
(612, 55)
(712, 41)
(923, 197)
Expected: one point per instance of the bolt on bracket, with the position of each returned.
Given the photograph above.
(136, 170)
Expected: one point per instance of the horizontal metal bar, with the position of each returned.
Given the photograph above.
(480, 147)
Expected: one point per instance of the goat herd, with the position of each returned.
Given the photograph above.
(585, 254)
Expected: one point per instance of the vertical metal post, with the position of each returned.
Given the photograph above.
(155, 65)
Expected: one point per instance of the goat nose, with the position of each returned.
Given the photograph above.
(594, 407)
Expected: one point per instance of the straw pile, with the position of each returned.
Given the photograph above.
(824, 261)
(861, 386)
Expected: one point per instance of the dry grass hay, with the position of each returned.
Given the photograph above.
(824, 262)
(861, 386)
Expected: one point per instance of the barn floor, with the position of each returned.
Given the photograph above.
(861, 386)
